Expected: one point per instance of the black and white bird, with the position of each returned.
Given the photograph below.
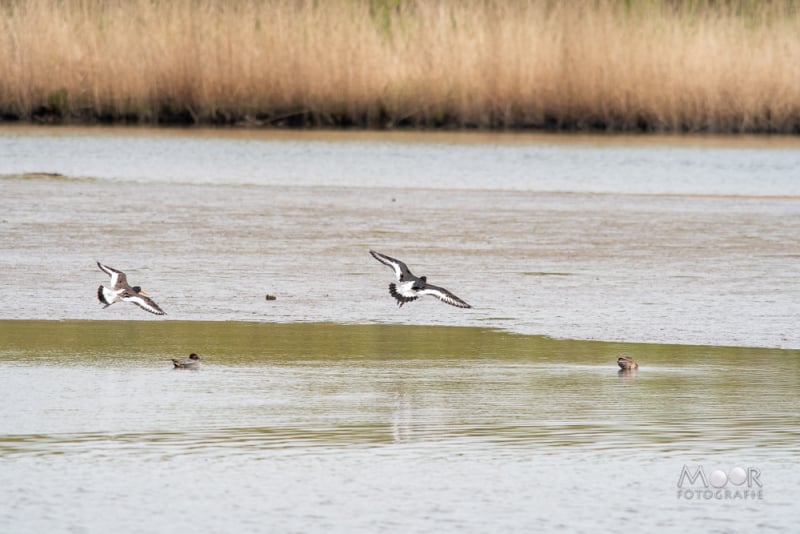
(410, 287)
(192, 362)
(121, 291)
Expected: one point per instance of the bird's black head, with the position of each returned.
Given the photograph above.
(194, 356)
(424, 279)
(137, 289)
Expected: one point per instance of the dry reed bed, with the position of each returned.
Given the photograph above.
(605, 64)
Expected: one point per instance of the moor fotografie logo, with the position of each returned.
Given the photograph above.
(737, 484)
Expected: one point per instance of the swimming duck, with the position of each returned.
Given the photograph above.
(120, 290)
(626, 363)
(411, 287)
(192, 362)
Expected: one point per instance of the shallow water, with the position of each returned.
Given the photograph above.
(661, 268)
(667, 165)
(319, 427)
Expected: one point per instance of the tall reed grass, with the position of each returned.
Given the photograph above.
(653, 65)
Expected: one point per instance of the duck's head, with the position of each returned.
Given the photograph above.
(194, 356)
(424, 279)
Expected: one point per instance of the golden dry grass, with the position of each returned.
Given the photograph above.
(605, 64)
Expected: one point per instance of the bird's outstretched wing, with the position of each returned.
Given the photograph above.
(443, 295)
(146, 303)
(118, 278)
(400, 269)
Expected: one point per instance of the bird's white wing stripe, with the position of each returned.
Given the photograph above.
(445, 296)
(387, 261)
(145, 303)
(397, 265)
(110, 271)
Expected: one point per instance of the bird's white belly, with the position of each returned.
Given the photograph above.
(112, 296)
(405, 289)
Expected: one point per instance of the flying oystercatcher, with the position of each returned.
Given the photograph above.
(120, 290)
(410, 287)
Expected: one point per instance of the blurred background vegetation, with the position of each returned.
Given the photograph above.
(601, 65)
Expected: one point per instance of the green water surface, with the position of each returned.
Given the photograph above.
(310, 425)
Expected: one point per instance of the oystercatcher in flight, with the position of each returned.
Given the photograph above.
(410, 287)
(120, 290)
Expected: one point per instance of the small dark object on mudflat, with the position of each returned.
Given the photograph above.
(42, 174)
(271, 297)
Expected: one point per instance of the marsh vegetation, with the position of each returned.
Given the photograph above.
(606, 65)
